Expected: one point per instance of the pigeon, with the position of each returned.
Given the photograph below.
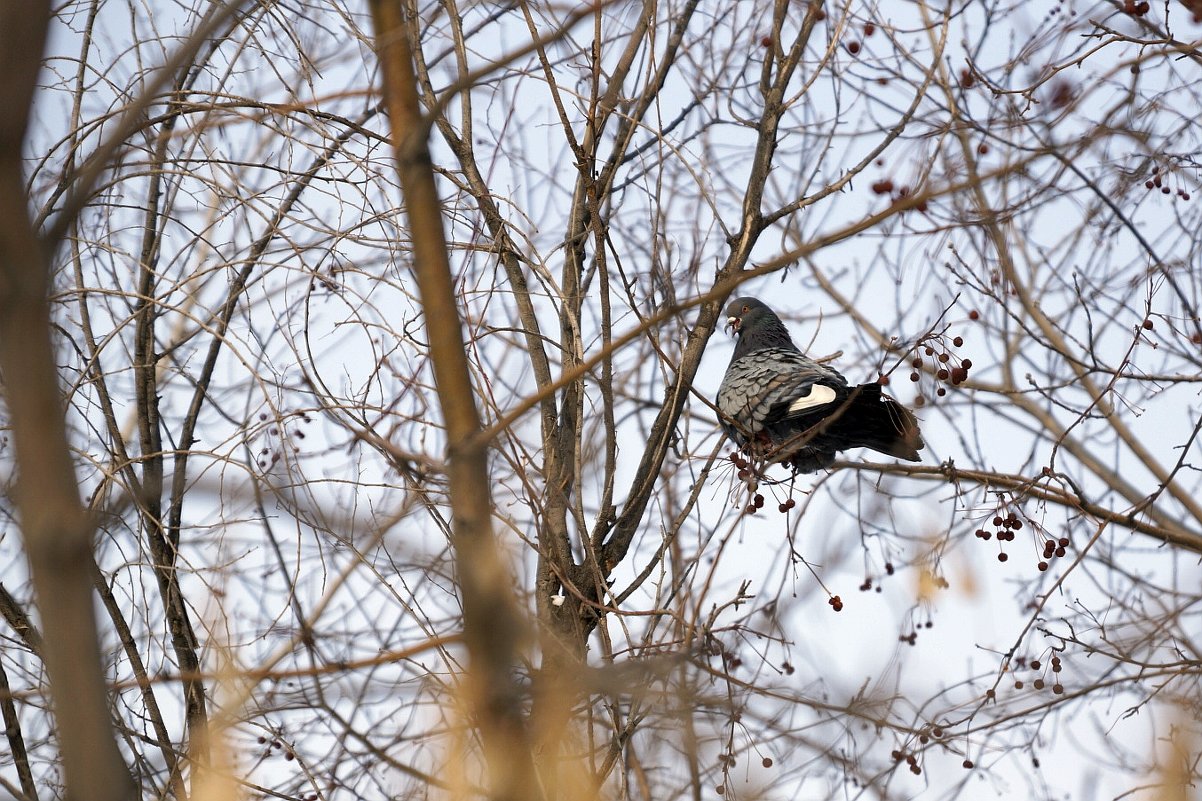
(781, 406)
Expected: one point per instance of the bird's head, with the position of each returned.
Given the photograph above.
(744, 312)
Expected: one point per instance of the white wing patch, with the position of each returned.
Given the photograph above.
(818, 395)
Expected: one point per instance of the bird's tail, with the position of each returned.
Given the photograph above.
(874, 420)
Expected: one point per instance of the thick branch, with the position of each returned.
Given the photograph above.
(492, 625)
(57, 534)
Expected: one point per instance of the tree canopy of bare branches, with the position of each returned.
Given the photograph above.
(357, 376)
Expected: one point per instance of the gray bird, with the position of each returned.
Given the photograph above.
(783, 407)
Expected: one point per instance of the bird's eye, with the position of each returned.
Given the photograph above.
(746, 309)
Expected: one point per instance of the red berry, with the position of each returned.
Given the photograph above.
(1002, 557)
(853, 47)
(958, 341)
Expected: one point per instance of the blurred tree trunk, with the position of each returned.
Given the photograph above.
(492, 624)
(56, 532)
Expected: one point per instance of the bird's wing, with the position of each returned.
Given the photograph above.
(774, 384)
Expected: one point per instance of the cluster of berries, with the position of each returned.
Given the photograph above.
(1157, 182)
(277, 434)
(1052, 548)
(947, 367)
(1004, 528)
(1039, 682)
(897, 194)
(911, 760)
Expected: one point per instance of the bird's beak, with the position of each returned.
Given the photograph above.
(732, 324)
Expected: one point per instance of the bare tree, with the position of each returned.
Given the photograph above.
(384, 340)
